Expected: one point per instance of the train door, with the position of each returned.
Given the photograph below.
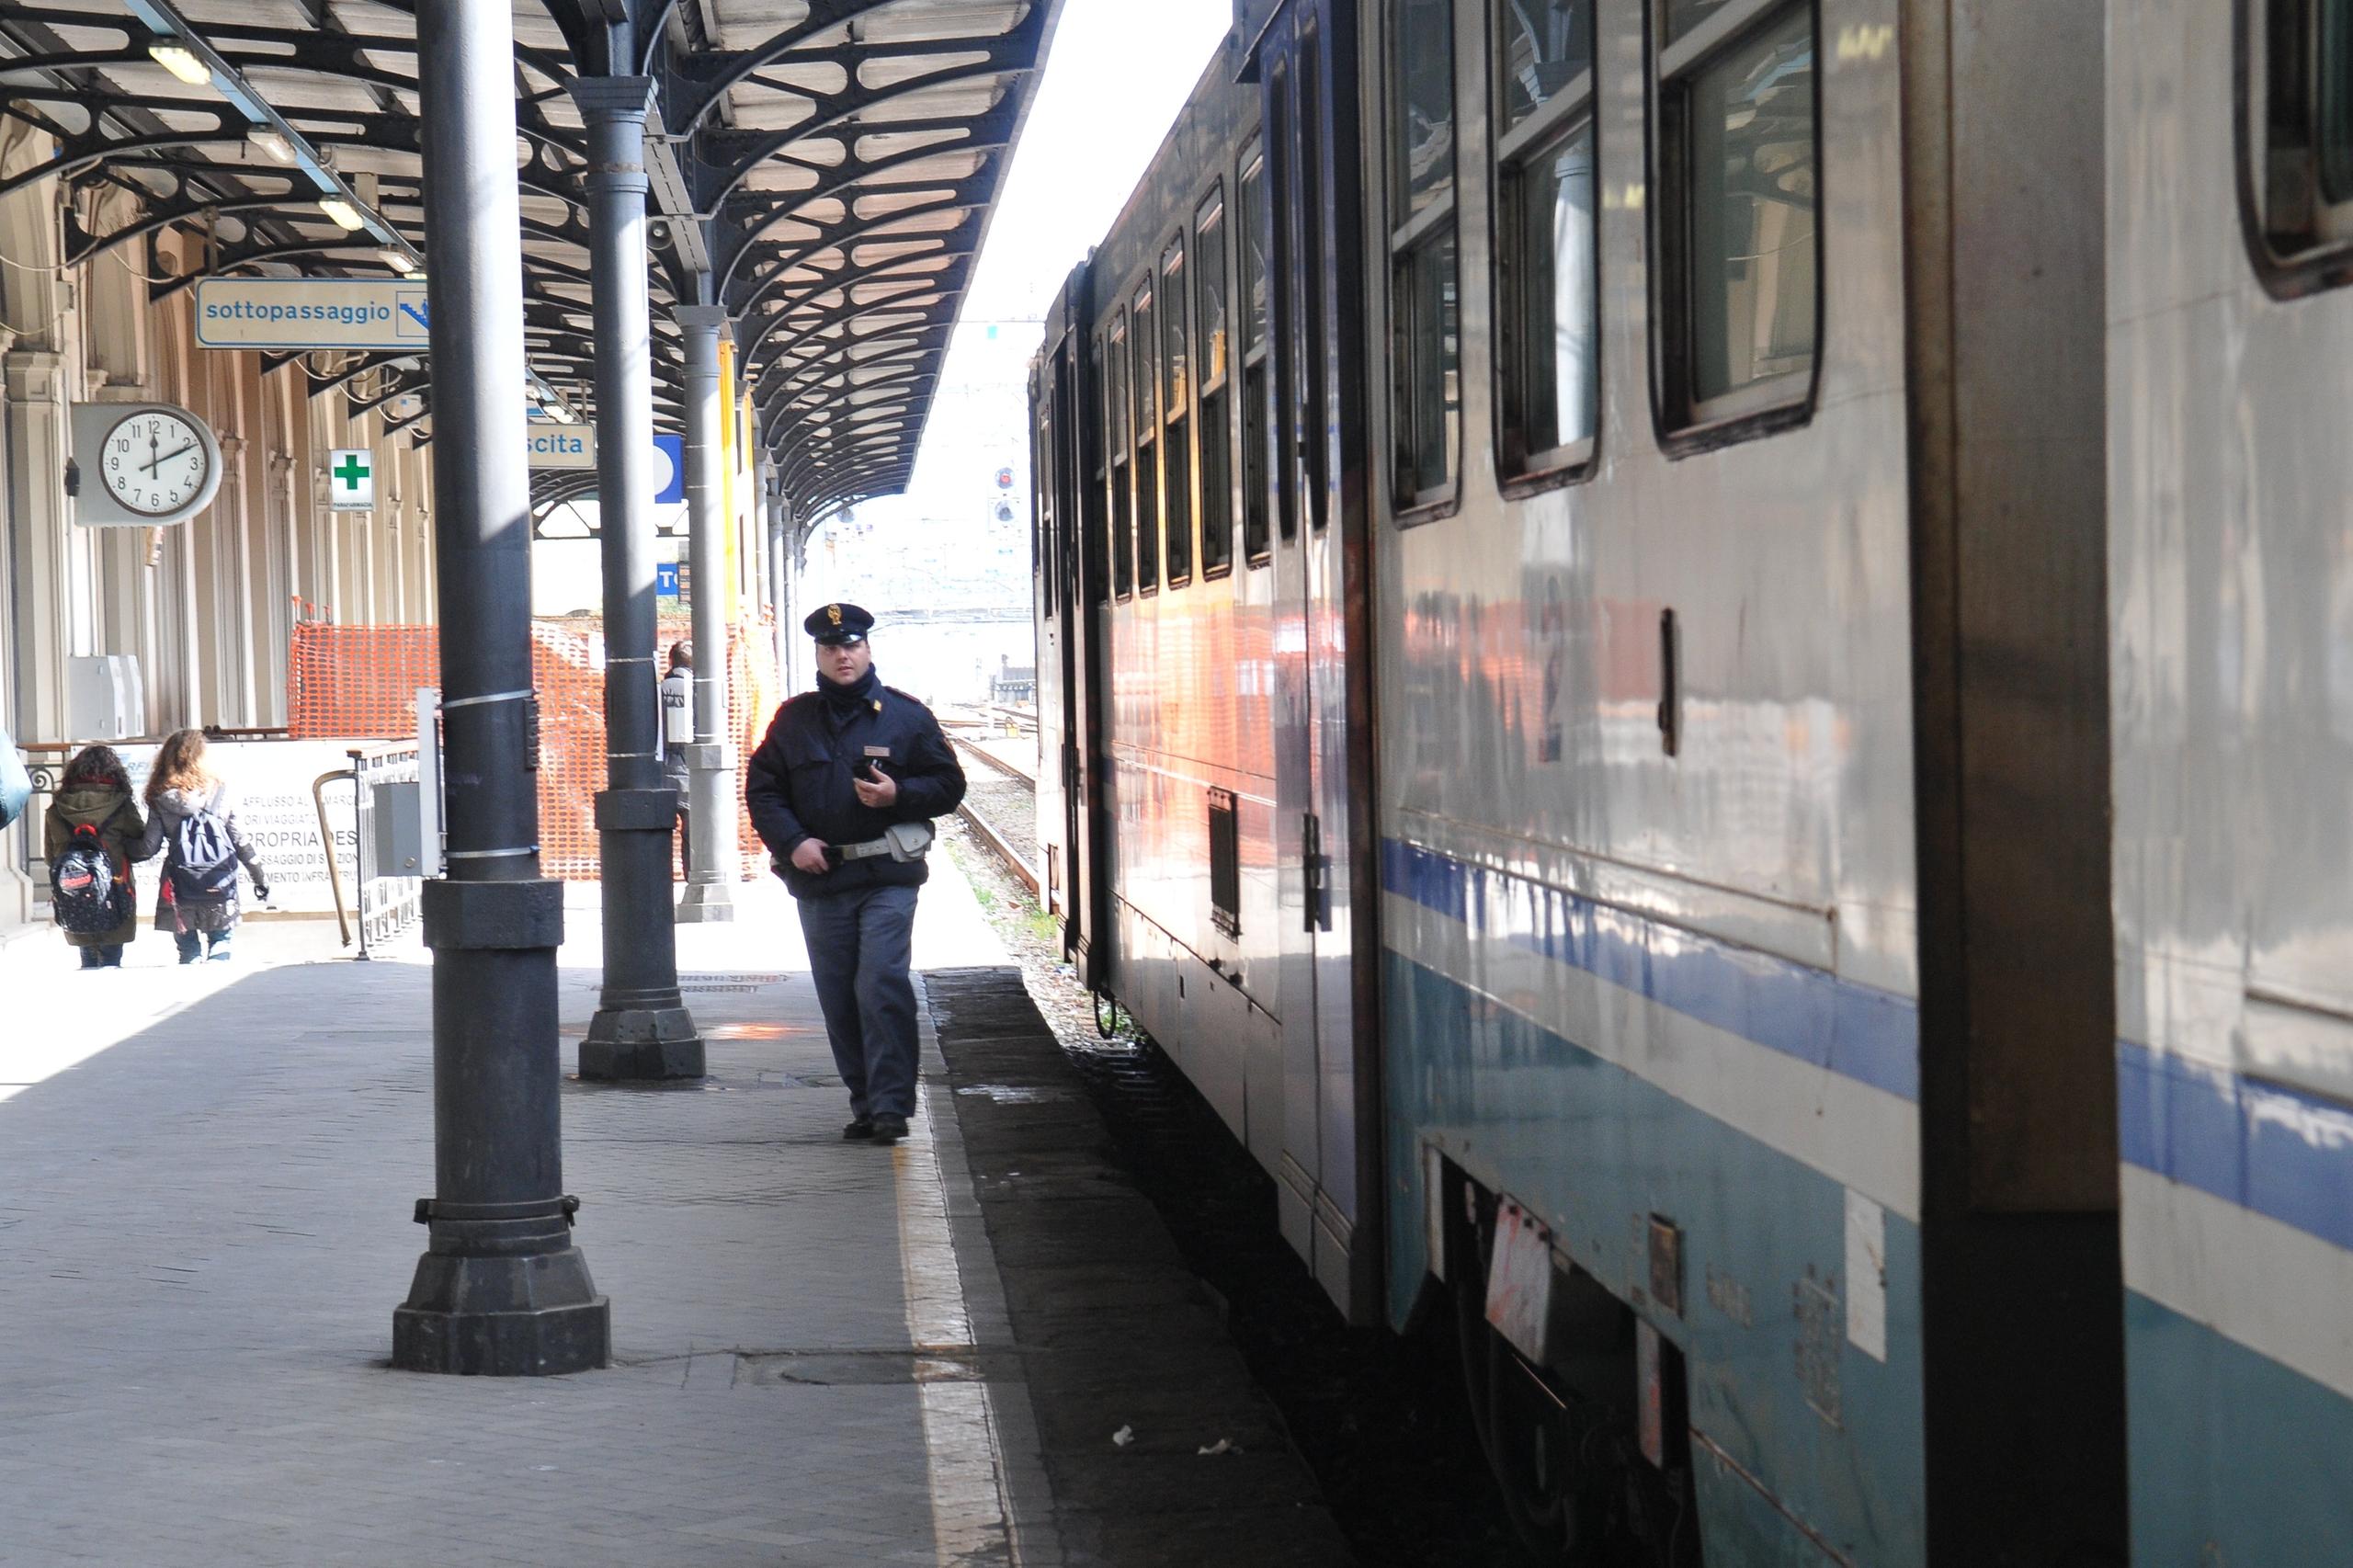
(1084, 577)
(1049, 621)
(1331, 1125)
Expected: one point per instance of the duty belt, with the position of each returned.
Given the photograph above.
(904, 841)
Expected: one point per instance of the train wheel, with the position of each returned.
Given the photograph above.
(1540, 1446)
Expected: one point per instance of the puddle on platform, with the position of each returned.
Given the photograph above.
(1011, 1094)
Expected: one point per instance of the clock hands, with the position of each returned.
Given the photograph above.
(167, 457)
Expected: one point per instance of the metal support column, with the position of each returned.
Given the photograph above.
(641, 1029)
(501, 1289)
(780, 575)
(710, 893)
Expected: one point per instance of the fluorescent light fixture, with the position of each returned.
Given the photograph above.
(400, 261)
(560, 413)
(345, 215)
(181, 62)
(272, 143)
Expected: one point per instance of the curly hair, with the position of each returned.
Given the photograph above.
(180, 765)
(97, 764)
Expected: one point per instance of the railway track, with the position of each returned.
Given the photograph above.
(1007, 791)
(977, 749)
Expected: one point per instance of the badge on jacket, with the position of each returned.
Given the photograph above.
(883, 752)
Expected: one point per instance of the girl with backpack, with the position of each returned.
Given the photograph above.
(91, 834)
(193, 817)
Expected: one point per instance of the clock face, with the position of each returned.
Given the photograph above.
(155, 463)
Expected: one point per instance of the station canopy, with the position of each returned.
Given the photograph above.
(822, 169)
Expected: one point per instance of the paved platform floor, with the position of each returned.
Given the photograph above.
(206, 1182)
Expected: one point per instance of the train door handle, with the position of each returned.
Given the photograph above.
(1316, 873)
(1670, 682)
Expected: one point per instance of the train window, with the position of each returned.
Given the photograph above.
(1147, 386)
(1422, 60)
(2297, 185)
(1225, 862)
(1549, 345)
(1306, 271)
(1424, 284)
(2335, 69)
(1736, 226)
(1683, 15)
(1257, 242)
(1210, 347)
(1123, 532)
(1094, 583)
(1176, 402)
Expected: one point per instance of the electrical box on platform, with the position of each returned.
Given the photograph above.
(398, 811)
(106, 699)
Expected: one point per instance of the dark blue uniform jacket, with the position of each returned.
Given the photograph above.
(797, 784)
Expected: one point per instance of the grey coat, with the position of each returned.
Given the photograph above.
(171, 808)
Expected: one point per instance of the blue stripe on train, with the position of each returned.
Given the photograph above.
(2277, 1150)
(1856, 1031)
(1831, 1434)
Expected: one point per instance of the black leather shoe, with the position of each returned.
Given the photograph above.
(890, 1129)
(861, 1129)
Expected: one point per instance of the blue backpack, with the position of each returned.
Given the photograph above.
(202, 865)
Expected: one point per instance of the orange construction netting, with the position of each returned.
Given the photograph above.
(360, 683)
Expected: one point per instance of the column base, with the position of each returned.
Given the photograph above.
(626, 1044)
(534, 1316)
(706, 903)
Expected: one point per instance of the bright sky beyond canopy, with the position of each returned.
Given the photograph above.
(1119, 73)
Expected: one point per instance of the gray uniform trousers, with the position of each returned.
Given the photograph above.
(860, 943)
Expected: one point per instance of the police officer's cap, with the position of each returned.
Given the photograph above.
(838, 623)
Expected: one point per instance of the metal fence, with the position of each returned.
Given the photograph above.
(45, 765)
(381, 827)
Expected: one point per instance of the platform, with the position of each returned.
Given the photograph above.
(826, 1354)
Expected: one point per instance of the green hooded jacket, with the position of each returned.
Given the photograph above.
(115, 814)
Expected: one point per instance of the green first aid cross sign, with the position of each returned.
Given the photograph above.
(351, 479)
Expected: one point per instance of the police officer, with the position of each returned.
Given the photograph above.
(677, 734)
(843, 791)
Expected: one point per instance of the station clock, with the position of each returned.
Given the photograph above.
(142, 463)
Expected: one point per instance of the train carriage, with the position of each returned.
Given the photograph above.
(1209, 522)
(2231, 353)
(1683, 425)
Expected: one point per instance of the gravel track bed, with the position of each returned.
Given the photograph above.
(1006, 802)
(1379, 1418)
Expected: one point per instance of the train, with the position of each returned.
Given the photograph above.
(1696, 661)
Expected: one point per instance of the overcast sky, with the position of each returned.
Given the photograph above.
(1119, 70)
(1119, 73)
